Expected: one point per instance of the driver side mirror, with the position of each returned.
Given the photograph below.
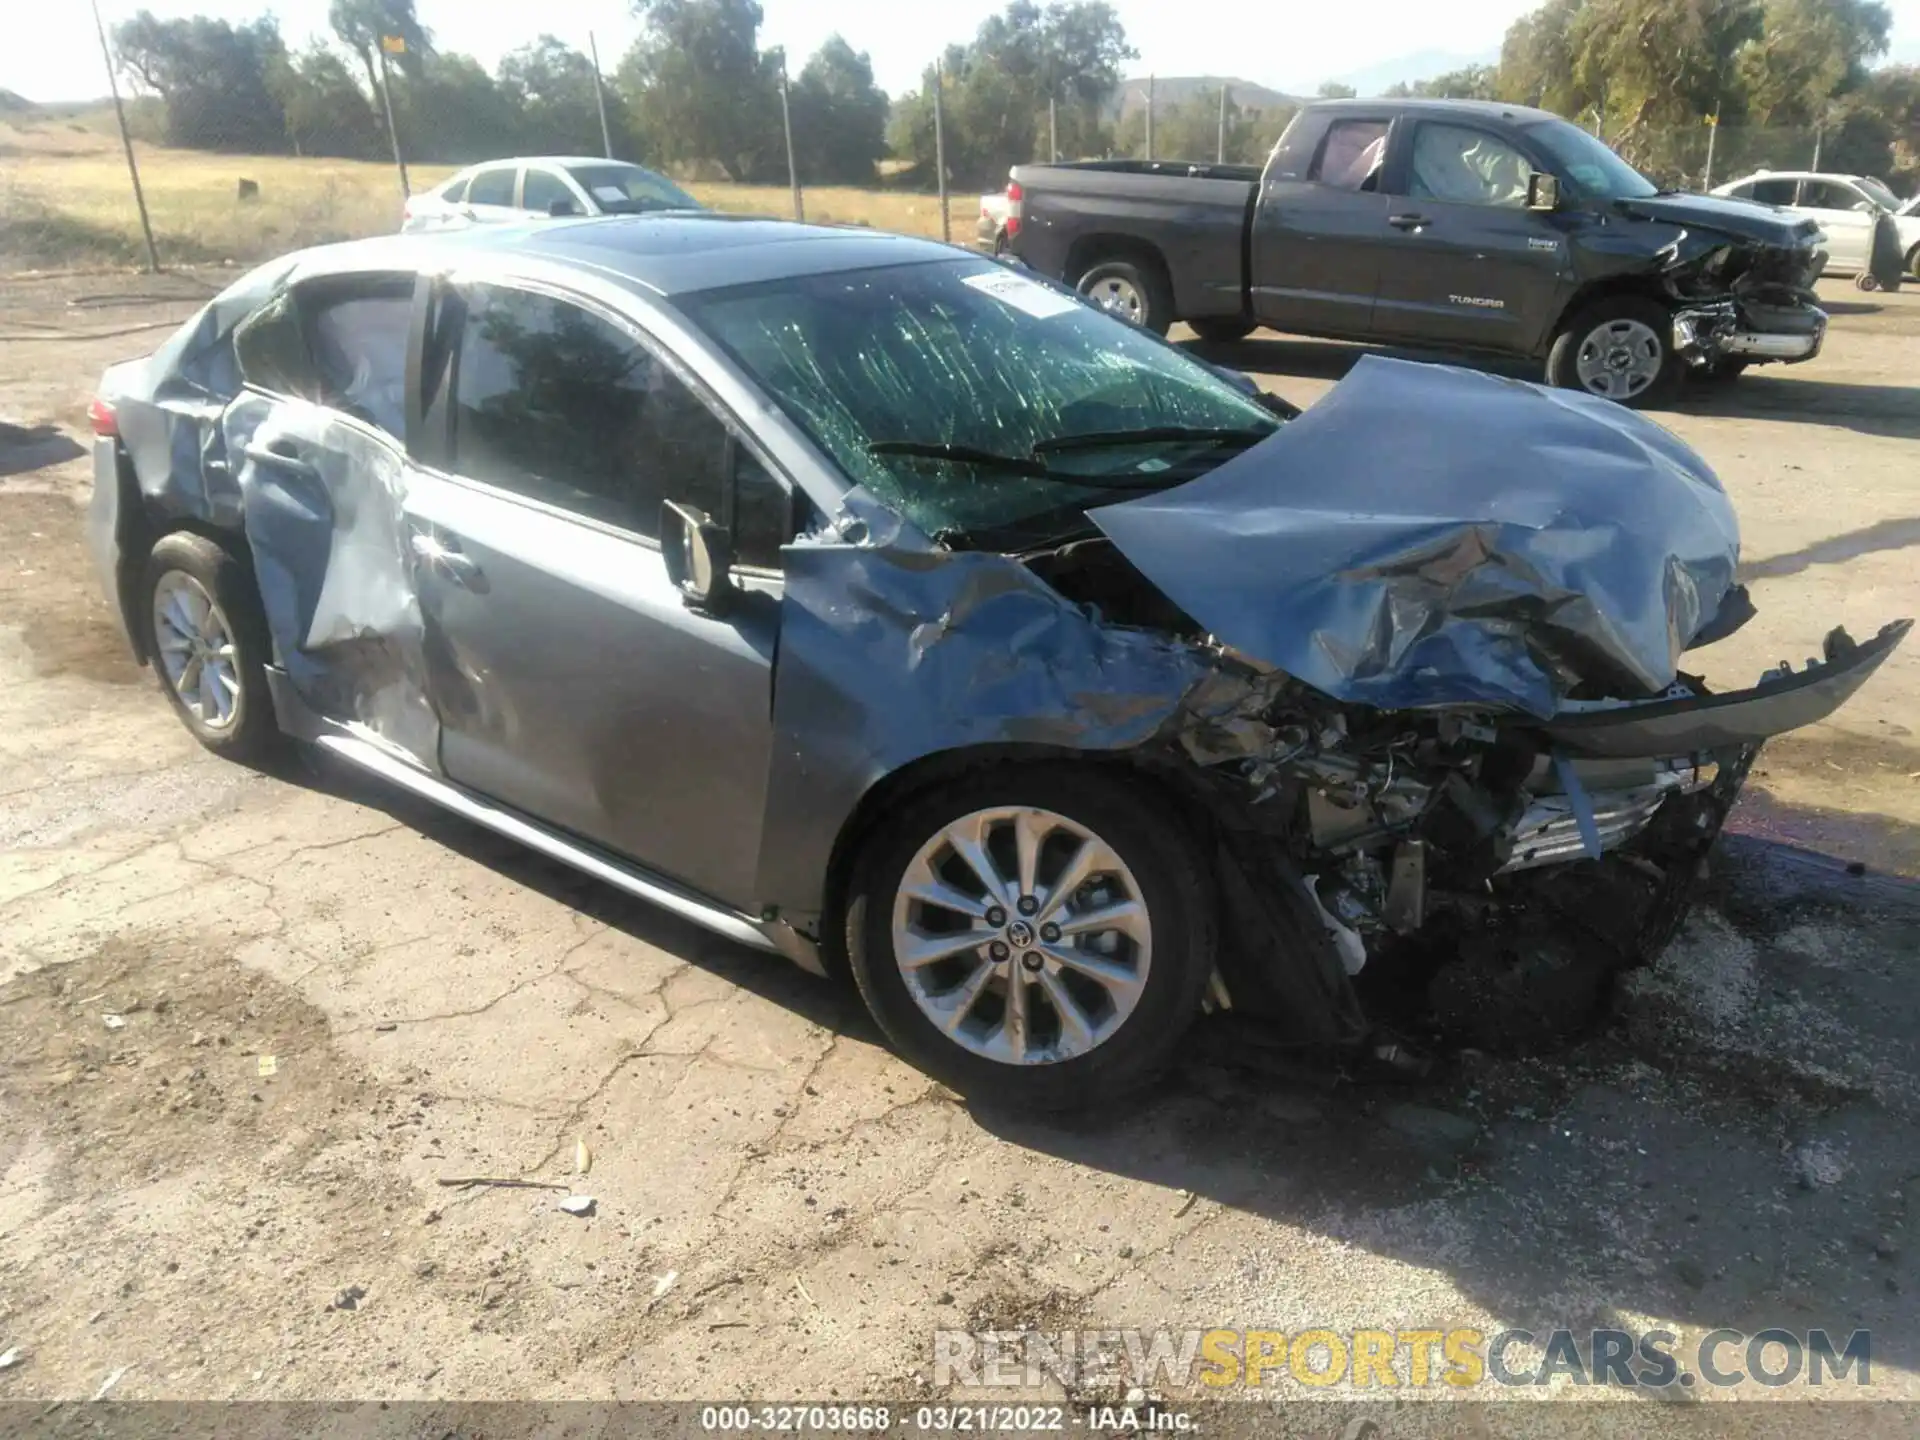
(1543, 191)
(561, 208)
(699, 557)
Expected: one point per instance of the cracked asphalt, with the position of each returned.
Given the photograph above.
(252, 1025)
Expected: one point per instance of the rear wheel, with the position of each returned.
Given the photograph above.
(208, 640)
(1038, 938)
(1620, 348)
(1221, 329)
(1132, 289)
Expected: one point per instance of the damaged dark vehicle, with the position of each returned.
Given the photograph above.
(1460, 224)
(879, 606)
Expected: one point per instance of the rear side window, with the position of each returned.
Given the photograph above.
(491, 187)
(1351, 155)
(338, 343)
(1772, 192)
(456, 190)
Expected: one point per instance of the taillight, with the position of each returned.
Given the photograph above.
(406, 210)
(100, 415)
(1014, 197)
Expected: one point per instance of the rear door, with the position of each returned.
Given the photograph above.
(1320, 230)
(572, 681)
(1468, 263)
(491, 196)
(1847, 215)
(318, 437)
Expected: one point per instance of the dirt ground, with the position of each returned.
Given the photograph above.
(331, 1000)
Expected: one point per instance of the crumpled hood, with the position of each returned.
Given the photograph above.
(1427, 535)
(1741, 219)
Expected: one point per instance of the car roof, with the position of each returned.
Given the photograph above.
(669, 254)
(1426, 105)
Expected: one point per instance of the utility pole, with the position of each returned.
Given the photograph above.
(940, 147)
(1053, 130)
(126, 140)
(600, 96)
(1713, 130)
(1149, 117)
(1220, 147)
(786, 123)
(386, 95)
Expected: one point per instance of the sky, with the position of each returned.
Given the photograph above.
(53, 53)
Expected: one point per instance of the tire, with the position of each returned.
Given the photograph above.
(1222, 329)
(1913, 262)
(1637, 331)
(1135, 290)
(1866, 280)
(183, 571)
(1125, 1032)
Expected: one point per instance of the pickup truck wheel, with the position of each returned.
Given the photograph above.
(1222, 330)
(1034, 938)
(1619, 348)
(1131, 290)
(1913, 262)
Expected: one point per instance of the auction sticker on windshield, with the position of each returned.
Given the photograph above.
(612, 194)
(1022, 294)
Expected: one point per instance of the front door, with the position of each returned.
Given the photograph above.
(1318, 238)
(572, 681)
(1471, 265)
(1848, 218)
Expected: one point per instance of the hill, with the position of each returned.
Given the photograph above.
(1175, 89)
(1418, 65)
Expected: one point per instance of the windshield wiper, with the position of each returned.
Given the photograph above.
(1149, 435)
(1013, 464)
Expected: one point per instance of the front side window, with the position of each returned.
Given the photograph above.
(542, 189)
(1588, 169)
(559, 404)
(491, 187)
(1773, 192)
(1831, 195)
(1467, 167)
(968, 354)
(1351, 155)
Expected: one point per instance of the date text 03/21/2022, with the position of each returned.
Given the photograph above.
(984, 1419)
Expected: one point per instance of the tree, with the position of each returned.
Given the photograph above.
(703, 89)
(1190, 129)
(360, 24)
(1334, 90)
(552, 86)
(451, 109)
(1810, 52)
(212, 76)
(998, 86)
(1471, 82)
(1537, 60)
(325, 111)
(839, 116)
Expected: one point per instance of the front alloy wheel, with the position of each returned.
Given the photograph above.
(1038, 937)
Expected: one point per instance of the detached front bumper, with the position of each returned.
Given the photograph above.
(1707, 334)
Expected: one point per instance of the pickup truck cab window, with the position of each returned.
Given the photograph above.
(1467, 166)
(1351, 155)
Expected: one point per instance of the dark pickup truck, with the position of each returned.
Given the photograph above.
(1438, 223)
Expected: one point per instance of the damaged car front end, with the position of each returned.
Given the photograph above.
(968, 639)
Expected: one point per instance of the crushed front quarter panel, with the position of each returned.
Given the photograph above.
(1431, 536)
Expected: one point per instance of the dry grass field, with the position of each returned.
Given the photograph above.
(65, 201)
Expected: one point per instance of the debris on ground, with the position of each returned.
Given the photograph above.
(349, 1298)
(500, 1182)
(268, 1065)
(111, 1381)
(11, 1358)
(582, 1157)
(1818, 1164)
(578, 1205)
(114, 1022)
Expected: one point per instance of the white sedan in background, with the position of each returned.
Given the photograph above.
(1846, 207)
(508, 191)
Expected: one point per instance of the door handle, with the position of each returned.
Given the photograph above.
(445, 557)
(1408, 222)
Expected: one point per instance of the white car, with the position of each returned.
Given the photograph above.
(1846, 207)
(510, 191)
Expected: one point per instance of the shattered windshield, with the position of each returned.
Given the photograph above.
(1049, 399)
(1596, 173)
